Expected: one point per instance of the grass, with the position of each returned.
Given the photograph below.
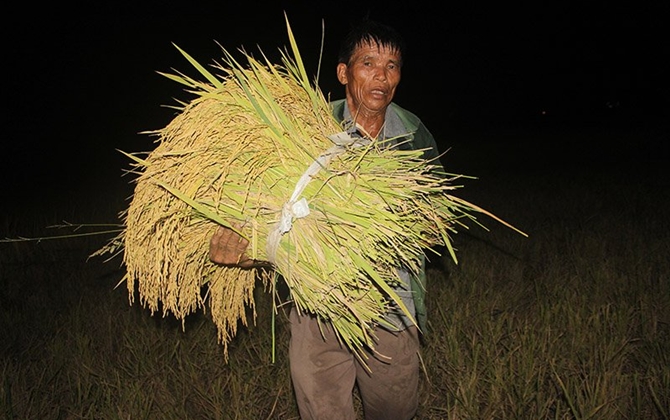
(570, 323)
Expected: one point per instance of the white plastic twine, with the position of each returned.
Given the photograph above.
(295, 207)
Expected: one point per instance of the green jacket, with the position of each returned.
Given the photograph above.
(418, 138)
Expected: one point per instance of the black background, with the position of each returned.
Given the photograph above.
(81, 82)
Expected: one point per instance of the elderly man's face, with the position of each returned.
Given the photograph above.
(371, 78)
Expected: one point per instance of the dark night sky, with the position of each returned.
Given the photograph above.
(81, 82)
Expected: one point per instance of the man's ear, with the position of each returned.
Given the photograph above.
(342, 73)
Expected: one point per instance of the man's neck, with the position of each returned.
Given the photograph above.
(370, 122)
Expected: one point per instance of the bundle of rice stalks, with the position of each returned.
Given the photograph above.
(259, 147)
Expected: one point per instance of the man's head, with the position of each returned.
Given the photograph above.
(372, 33)
(369, 67)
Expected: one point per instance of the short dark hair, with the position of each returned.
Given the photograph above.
(368, 31)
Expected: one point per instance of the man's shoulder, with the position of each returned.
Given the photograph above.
(337, 103)
(411, 120)
(337, 107)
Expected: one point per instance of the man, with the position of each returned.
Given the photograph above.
(323, 371)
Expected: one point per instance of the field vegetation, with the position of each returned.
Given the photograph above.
(572, 322)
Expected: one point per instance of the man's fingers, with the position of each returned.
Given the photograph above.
(216, 237)
(227, 246)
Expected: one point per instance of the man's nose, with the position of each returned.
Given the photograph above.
(380, 73)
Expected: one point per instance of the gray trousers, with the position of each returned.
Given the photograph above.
(324, 373)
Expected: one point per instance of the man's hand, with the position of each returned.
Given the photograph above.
(228, 247)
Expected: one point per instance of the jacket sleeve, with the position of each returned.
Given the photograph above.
(423, 139)
(418, 285)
